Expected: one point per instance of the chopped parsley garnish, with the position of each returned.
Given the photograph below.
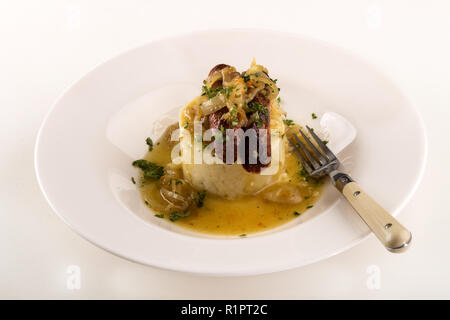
(174, 216)
(257, 107)
(303, 172)
(325, 141)
(146, 202)
(246, 78)
(309, 207)
(149, 142)
(132, 180)
(243, 235)
(288, 122)
(159, 216)
(186, 124)
(226, 91)
(150, 170)
(212, 92)
(278, 99)
(313, 115)
(199, 199)
(296, 213)
(178, 182)
(258, 122)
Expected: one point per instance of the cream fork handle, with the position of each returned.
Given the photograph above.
(394, 236)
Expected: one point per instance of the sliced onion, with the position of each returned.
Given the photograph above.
(228, 76)
(177, 201)
(216, 76)
(263, 80)
(251, 94)
(212, 105)
(256, 68)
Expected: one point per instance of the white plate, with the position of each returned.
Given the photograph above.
(98, 126)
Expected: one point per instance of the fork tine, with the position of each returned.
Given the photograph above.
(308, 155)
(304, 162)
(315, 152)
(322, 145)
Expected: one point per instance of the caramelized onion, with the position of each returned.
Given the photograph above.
(251, 94)
(212, 105)
(175, 200)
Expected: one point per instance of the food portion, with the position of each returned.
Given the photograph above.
(226, 167)
(233, 101)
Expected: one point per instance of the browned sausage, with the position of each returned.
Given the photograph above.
(217, 68)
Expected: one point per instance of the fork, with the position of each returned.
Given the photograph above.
(317, 163)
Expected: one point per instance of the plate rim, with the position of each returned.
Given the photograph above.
(244, 272)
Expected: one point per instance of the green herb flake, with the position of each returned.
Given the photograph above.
(288, 122)
(313, 115)
(296, 213)
(199, 200)
(234, 118)
(226, 91)
(161, 216)
(186, 124)
(243, 235)
(258, 122)
(309, 207)
(302, 172)
(210, 92)
(132, 180)
(149, 142)
(150, 170)
(325, 141)
(257, 107)
(174, 216)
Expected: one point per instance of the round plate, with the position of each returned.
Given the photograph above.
(98, 127)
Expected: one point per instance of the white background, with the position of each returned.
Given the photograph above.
(46, 45)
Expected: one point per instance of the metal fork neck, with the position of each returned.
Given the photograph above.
(340, 179)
